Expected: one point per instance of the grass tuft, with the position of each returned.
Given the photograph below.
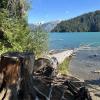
(64, 67)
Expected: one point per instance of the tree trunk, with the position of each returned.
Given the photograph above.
(16, 76)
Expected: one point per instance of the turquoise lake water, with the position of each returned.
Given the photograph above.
(73, 40)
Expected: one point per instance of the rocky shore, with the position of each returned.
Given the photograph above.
(85, 65)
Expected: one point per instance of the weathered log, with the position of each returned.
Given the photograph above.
(61, 56)
(17, 76)
(45, 66)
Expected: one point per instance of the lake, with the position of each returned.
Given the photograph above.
(87, 56)
(73, 40)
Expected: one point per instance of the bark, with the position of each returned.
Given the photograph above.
(17, 83)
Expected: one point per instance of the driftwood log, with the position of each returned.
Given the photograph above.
(18, 83)
(45, 66)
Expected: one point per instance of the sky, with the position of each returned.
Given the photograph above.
(51, 10)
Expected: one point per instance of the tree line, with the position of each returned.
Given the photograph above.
(89, 22)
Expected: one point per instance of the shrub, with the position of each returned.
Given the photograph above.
(64, 67)
(18, 34)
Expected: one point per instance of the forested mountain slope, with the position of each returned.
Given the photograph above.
(89, 22)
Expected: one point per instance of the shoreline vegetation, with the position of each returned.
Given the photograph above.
(64, 67)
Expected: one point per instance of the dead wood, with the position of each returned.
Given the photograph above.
(17, 76)
(17, 81)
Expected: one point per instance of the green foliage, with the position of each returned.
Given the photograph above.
(19, 36)
(64, 67)
(85, 23)
(3, 4)
(16, 8)
(39, 40)
(14, 32)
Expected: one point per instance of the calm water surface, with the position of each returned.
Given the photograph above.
(73, 40)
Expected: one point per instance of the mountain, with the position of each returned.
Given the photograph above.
(49, 26)
(46, 26)
(32, 26)
(89, 22)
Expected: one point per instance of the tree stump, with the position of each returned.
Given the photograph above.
(16, 76)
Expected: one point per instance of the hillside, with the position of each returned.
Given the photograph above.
(46, 26)
(49, 26)
(89, 22)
